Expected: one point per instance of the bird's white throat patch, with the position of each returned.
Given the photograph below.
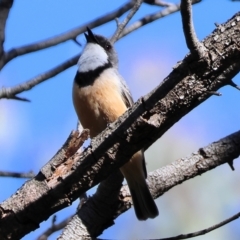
(93, 56)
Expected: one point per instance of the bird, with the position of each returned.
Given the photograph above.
(100, 96)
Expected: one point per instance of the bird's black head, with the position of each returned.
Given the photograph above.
(104, 43)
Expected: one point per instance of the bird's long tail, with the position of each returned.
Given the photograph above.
(134, 172)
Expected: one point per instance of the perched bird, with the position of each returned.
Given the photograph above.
(100, 96)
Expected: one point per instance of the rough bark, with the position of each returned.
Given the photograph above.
(99, 212)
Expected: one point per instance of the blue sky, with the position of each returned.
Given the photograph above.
(31, 133)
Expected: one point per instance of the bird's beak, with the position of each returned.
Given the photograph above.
(90, 36)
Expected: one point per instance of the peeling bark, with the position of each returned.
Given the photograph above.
(99, 213)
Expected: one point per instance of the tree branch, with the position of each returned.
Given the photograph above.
(17, 174)
(72, 34)
(158, 3)
(171, 8)
(93, 216)
(121, 26)
(204, 231)
(11, 92)
(194, 45)
(186, 87)
(109, 206)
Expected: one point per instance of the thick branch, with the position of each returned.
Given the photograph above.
(109, 206)
(189, 84)
(91, 213)
(72, 34)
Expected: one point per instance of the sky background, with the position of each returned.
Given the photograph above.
(31, 133)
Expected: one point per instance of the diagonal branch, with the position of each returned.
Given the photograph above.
(204, 231)
(158, 3)
(171, 8)
(187, 86)
(194, 45)
(11, 92)
(121, 26)
(109, 206)
(72, 34)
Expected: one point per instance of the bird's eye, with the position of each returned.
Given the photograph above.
(108, 46)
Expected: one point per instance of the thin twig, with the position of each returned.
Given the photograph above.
(19, 98)
(72, 34)
(233, 84)
(77, 42)
(204, 231)
(218, 94)
(11, 92)
(158, 3)
(193, 44)
(153, 17)
(121, 26)
(17, 174)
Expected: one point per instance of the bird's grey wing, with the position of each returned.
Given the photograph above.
(128, 100)
(126, 94)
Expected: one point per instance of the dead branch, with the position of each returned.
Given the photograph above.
(109, 206)
(213, 155)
